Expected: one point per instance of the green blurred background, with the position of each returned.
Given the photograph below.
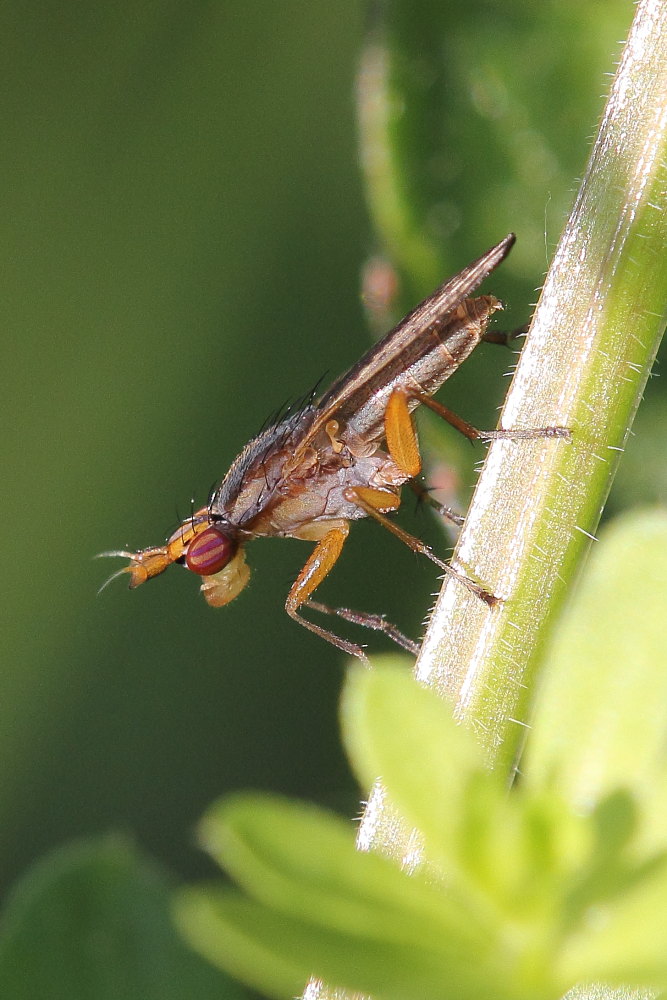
(184, 231)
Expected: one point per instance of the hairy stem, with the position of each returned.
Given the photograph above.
(588, 355)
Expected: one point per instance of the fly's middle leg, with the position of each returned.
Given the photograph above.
(371, 501)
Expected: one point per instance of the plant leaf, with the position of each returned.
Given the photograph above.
(601, 716)
(91, 922)
(397, 731)
(277, 952)
(302, 861)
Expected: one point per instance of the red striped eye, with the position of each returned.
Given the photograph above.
(210, 551)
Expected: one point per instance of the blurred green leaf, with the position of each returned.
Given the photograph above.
(302, 861)
(623, 939)
(351, 917)
(91, 922)
(278, 952)
(446, 88)
(427, 768)
(601, 714)
(515, 894)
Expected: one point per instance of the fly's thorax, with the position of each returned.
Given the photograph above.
(325, 499)
(258, 472)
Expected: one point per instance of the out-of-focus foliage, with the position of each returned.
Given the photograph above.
(448, 88)
(562, 881)
(91, 922)
(184, 230)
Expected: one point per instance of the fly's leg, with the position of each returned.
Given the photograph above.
(403, 447)
(317, 567)
(424, 496)
(400, 433)
(377, 622)
(374, 502)
(402, 437)
(505, 337)
(474, 434)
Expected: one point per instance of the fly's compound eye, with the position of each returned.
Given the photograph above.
(210, 551)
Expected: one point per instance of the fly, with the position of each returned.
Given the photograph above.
(342, 458)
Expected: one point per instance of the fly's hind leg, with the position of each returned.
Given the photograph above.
(505, 337)
(403, 446)
(402, 438)
(475, 434)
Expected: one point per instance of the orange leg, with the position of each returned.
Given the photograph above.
(474, 434)
(317, 567)
(375, 501)
(403, 446)
(402, 437)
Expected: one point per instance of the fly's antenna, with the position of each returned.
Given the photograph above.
(117, 553)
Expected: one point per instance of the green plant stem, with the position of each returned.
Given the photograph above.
(585, 364)
(590, 349)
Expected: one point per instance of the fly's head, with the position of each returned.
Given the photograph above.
(217, 556)
(209, 549)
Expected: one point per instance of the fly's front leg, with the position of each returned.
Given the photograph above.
(377, 622)
(374, 502)
(317, 567)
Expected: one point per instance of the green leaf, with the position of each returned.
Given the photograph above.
(601, 716)
(624, 941)
(521, 895)
(91, 922)
(345, 914)
(303, 861)
(460, 138)
(396, 730)
(277, 953)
